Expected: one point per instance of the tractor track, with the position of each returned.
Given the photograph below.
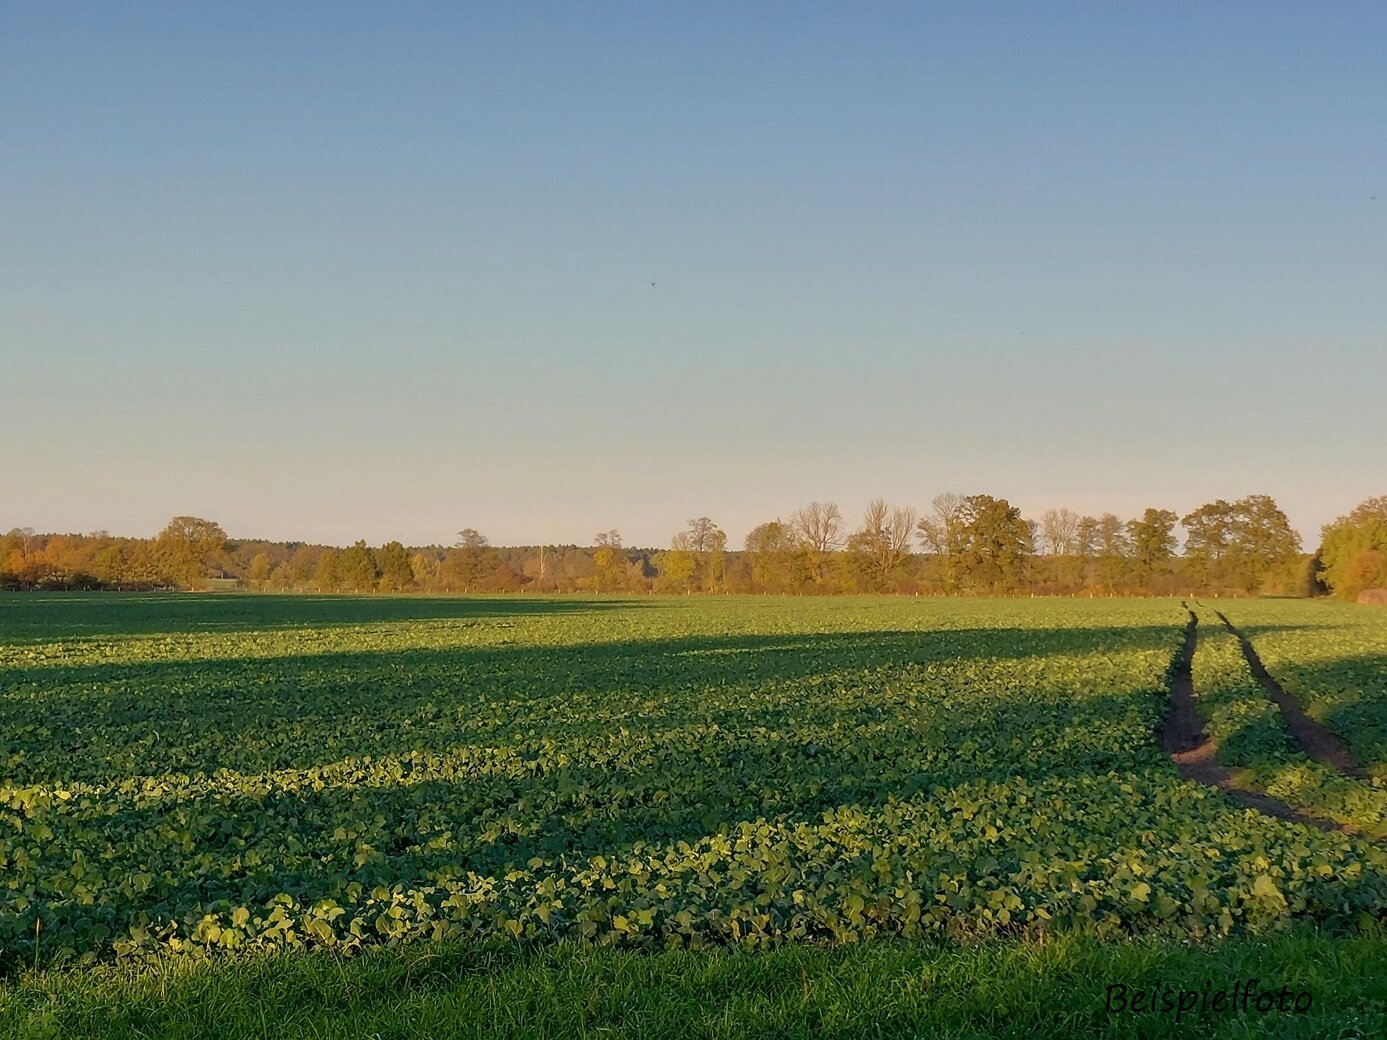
(1195, 754)
(1314, 739)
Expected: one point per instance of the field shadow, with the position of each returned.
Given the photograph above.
(58, 616)
(556, 751)
(121, 720)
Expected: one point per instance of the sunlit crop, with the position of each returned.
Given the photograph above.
(213, 773)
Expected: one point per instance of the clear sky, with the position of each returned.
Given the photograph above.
(334, 271)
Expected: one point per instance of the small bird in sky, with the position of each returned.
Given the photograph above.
(652, 285)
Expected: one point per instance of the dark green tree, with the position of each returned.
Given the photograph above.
(472, 563)
(996, 544)
(396, 574)
(1263, 541)
(1152, 543)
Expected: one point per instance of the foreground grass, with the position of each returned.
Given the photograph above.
(997, 989)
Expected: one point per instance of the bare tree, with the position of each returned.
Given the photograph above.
(702, 534)
(1057, 530)
(819, 525)
(941, 534)
(939, 530)
(26, 539)
(818, 528)
(884, 538)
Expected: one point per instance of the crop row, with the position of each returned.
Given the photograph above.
(1115, 854)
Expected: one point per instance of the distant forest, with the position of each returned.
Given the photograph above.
(963, 545)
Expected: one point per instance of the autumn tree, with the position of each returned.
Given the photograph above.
(303, 565)
(20, 547)
(425, 570)
(188, 549)
(109, 565)
(1263, 539)
(714, 563)
(677, 566)
(700, 534)
(325, 573)
(708, 545)
(65, 563)
(1208, 535)
(770, 551)
(259, 571)
(9, 555)
(639, 573)
(1353, 550)
(610, 562)
(141, 566)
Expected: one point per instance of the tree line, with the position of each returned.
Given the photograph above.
(961, 545)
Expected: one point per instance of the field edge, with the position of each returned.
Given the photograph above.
(1005, 988)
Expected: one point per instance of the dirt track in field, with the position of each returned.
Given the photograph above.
(1196, 756)
(1310, 736)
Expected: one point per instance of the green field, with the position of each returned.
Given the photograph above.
(248, 813)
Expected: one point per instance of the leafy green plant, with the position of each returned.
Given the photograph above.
(209, 775)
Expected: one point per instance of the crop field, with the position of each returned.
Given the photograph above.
(207, 779)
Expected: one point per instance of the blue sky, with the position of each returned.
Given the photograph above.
(340, 271)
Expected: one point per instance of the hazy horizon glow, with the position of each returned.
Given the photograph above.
(335, 272)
